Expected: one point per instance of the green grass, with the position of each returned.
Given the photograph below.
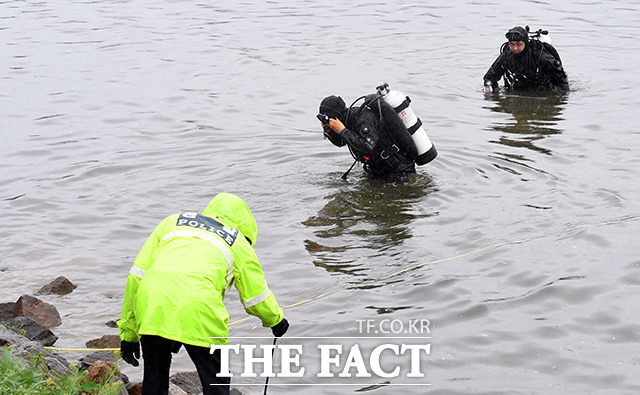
(18, 376)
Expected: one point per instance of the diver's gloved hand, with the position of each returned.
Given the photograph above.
(281, 328)
(130, 352)
(488, 86)
(334, 137)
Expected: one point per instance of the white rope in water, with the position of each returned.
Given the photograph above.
(406, 269)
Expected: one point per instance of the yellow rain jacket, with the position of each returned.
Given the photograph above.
(177, 284)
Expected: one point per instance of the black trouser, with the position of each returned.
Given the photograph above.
(156, 352)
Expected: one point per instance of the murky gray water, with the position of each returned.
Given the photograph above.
(518, 244)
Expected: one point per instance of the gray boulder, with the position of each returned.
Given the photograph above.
(21, 344)
(26, 348)
(112, 324)
(31, 330)
(6, 310)
(57, 364)
(188, 381)
(175, 390)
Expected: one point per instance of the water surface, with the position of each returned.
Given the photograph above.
(518, 243)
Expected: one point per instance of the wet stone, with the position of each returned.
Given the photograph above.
(6, 310)
(21, 344)
(106, 341)
(30, 329)
(105, 372)
(41, 312)
(88, 360)
(136, 389)
(175, 390)
(57, 364)
(112, 324)
(188, 381)
(59, 286)
(101, 371)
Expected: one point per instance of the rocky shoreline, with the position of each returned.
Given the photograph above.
(26, 326)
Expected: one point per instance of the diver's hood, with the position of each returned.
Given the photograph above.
(334, 107)
(518, 33)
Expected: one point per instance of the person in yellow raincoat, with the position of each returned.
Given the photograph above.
(176, 286)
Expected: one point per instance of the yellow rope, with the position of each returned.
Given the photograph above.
(404, 270)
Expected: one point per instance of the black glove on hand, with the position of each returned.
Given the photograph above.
(281, 328)
(130, 352)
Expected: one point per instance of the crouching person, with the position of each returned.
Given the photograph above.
(175, 290)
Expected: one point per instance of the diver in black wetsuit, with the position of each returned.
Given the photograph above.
(527, 65)
(374, 133)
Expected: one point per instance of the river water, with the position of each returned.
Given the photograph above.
(518, 244)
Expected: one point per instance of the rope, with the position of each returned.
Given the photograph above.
(494, 246)
(404, 270)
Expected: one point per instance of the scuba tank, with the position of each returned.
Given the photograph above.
(540, 35)
(547, 45)
(400, 103)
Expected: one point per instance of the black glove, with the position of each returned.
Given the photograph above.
(332, 136)
(128, 350)
(281, 328)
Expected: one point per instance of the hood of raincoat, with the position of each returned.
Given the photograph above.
(233, 211)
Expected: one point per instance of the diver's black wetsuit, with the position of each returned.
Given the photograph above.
(534, 69)
(378, 138)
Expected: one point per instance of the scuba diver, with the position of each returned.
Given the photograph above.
(379, 133)
(527, 65)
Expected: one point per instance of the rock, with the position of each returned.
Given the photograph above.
(101, 372)
(41, 312)
(188, 381)
(57, 364)
(235, 392)
(105, 372)
(106, 341)
(125, 379)
(175, 390)
(136, 389)
(21, 344)
(59, 286)
(112, 324)
(25, 348)
(30, 329)
(6, 310)
(88, 360)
